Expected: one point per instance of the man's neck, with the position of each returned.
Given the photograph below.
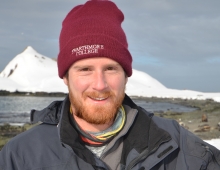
(84, 125)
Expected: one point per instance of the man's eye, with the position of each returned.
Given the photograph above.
(85, 69)
(110, 68)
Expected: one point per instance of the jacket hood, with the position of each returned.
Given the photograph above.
(50, 115)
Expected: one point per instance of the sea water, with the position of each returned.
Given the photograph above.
(15, 109)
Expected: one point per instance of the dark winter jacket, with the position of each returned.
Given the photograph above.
(146, 142)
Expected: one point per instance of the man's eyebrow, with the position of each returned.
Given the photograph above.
(81, 66)
(113, 64)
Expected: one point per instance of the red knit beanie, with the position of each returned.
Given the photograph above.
(93, 30)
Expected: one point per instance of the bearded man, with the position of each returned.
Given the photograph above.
(98, 126)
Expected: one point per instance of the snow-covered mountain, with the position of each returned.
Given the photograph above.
(34, 72)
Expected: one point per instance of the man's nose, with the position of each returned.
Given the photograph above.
(99, 82)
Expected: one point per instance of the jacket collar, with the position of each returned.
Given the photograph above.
(69, 136)
(149, 136)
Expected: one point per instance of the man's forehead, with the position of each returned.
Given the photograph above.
(96, 61)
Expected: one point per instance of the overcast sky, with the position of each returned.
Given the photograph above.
(176, 42)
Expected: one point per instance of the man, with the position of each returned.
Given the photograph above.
(98, 126)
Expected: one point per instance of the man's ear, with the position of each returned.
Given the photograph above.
(126, 80)
(65, 80)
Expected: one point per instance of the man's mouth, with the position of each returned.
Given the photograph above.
(98, 98)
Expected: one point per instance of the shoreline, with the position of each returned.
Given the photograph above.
(203, 122)
(36, 94)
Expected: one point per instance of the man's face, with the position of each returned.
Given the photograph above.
(96, 89)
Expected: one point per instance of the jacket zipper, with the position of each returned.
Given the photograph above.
(142, 156)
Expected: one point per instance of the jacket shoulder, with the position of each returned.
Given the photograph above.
(38, 144)
(191, 147)
(30, 137)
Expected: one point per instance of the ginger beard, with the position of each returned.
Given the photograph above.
(95, 113)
